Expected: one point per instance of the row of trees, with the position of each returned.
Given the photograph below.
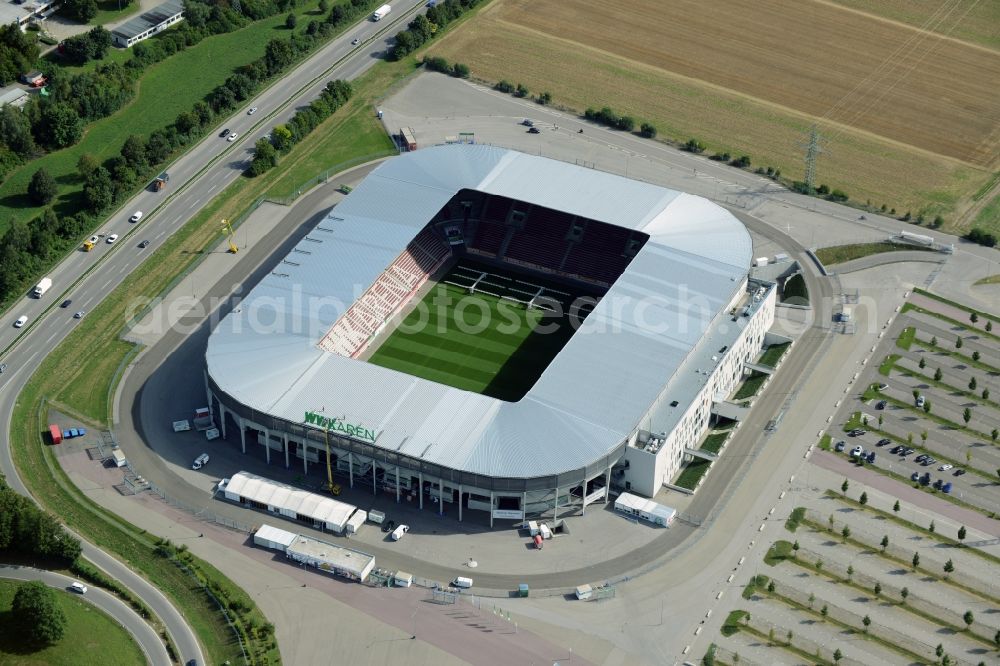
(28, 531)
(426, 26)
(439, 64)
(982, 237)
(92, 45)
(284, 137)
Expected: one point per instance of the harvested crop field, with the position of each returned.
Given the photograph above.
(909, 118)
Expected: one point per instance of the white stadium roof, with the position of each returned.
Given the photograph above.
(591, 397)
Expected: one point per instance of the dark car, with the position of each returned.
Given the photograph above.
(907, 451)
(857, 432)
(224, 133)
(871, 457)
(896, 449)
(922, 457)
(880, 404)
(388, 525)
(959, 472)
(925, 480)
(915, 476)
(938, 483)
(840, 446)
(928, 462)
(534, 130)
(883, 441)
(65, 304)
(144, 244)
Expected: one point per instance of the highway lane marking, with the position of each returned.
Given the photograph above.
(105, 285)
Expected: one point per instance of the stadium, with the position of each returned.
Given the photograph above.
(501, 334)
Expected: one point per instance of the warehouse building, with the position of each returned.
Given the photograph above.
(622, 404)
(332, 559)
(149, 23)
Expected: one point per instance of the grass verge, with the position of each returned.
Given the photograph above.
(824, 442)
(713, 443)
(91, 637)
(991, 279)
(839, 254)
(692, 473)
(732, 623)
(750, 386)
(795, 518)
(941, 299)
(773, 354)
(905, 338)
(886, 367)
(779, 551)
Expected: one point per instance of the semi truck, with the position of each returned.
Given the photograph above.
(42, 287)
(381, 12)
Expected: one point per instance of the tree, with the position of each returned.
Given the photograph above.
(846, 532)
(647, 130)
(867, 621)
(812, 599)
(41, 620)
(837, 654)
(973, 317)
(881, 419)
(770, 636)
(829, 522)
(938, 374)
(909, 438)
(324, 6)
(824, 611)
(994, 434)
(923, 363)
(42, 189)
(996, 638)
(521, 90)
(986, 394)
(934, 341)
(939, 650)
(961, 533)
(895, 507)
(86, 165)
(863, 500)
(59, 125)
(932, 527)
(949, 567)
(281, 137)
(927, 406)
(877, 589)
(967, 415)
(15, 129)
(795, 549)
(844, 486)
(916, 393)
(885, 542)
(81, 10)
(958, 342)
(850, 571)
(291, 21)
(968, 618)
(924, 435)
(905, 592)
(819, 564)
(976, 356)
(770, 587)
(916, 560)
(989, 325)
(789, 636)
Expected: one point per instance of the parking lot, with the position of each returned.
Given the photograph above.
(916, 396)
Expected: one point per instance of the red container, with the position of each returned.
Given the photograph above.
(56, 434)
(538, 541)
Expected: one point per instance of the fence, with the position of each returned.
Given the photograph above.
(200, 514)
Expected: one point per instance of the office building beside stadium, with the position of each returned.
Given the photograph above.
(622, 404)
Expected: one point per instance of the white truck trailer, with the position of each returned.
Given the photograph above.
(381, 12)
(42, 287)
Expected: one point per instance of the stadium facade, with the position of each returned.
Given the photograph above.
(622, 404)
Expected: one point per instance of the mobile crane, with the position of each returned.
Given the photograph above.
(334, 488)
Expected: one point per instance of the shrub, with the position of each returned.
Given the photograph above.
(694, 146)
(505, 87)
(647, 131)
(837, 195)
(521, 90)
(545, 98)
(460, 70)
(437, 64)
(42, 189)
(743, 161)
(981, 237)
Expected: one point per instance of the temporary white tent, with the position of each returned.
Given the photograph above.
(267, 536)
(288, 501)
(646, 509)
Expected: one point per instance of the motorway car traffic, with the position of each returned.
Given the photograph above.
(144, 244)
(233, 137)
(534, 130)
(112, 238)
(65, 304)
(355, 41)
(224, 133)
(79, 315)
(21, 321)
(252, 110)
(136, 217)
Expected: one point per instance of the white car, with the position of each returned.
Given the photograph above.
(945, 467)
(21, 321)
(355, 41)
(94, 239)
(398, 533)
(112, 238)
(232, 137)
(79, 315)
(253, 110)
(136, 217)
(78, 587)
(200, 461)
(857, 451)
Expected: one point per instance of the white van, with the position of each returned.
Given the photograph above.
(78, 587)
(200, 461)
(398, 533)
(462, 582)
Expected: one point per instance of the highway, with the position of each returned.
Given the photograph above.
(195, 178)
(141, 631)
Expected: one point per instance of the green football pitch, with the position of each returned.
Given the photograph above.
(477, 342)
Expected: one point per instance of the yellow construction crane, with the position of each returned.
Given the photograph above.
(330, 485)
(227, 229)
